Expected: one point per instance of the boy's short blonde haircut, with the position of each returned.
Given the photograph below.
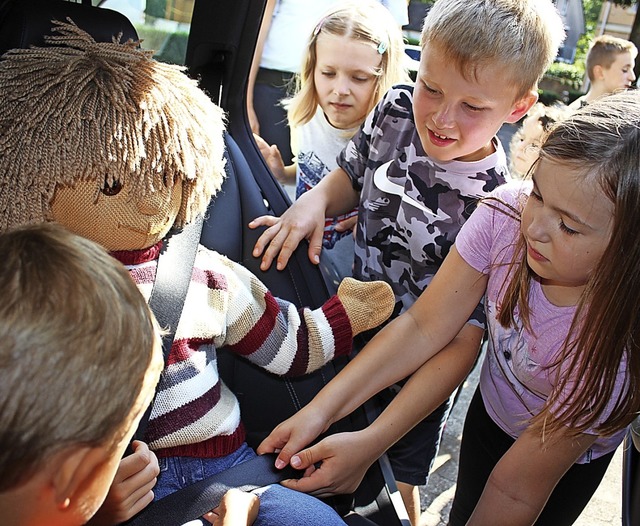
(76, 341)
(604, 50)
(521, 36)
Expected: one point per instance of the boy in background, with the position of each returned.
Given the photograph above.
(416, 169)
(81, 356)
(610, 63)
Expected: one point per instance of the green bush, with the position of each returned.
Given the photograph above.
(569, 74)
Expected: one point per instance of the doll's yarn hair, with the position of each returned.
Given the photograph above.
(79, 110)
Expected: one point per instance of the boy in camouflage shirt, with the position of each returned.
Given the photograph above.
(417, 168)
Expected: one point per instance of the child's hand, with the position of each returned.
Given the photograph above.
(303, 220)
(272, 156)
(348, 224)
(237, 508)
(334, 466)
(293, 434)
(367, 304)
(131, 490)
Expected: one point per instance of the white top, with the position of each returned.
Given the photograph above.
(292, 24)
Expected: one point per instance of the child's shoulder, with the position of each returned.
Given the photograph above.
(400, 95)
(509, 197)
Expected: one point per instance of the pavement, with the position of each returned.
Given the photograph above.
(604, 509)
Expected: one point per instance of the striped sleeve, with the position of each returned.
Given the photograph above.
(275, 335)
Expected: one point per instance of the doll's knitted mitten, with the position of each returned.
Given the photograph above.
(368, 304)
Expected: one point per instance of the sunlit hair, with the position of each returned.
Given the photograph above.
(522, 37)
(105, 112)
(604, 50)
(365, 21)
(76, 341)
(601, 144)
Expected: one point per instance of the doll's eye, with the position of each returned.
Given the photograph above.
(111, 189)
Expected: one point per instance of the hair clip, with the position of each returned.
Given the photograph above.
(318, 27)
(382, 47)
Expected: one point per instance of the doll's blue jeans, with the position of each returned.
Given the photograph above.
(279, 506)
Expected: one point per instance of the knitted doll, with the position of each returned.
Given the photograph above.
(120, 148)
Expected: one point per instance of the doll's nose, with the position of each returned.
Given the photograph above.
(152, 203)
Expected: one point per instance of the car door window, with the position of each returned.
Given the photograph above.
(163, 25)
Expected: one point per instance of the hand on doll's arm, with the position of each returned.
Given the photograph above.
(525, 477)
(131, 490)
(304, 219)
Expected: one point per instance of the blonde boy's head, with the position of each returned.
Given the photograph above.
(521, 36)
(80, 357)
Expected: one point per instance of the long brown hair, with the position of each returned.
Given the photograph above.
(601, 141)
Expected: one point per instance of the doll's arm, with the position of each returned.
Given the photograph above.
(131, 489)
(276, 335)
(524, 478)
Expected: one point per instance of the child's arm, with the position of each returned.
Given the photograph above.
(345, 457)
(131, 489)
(396, 352)
(523, 479)
(332, 196)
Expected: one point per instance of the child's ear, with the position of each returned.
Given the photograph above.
(522, 106)
(598, 72)
(75, 468)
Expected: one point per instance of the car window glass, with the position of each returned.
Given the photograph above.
(162, 25)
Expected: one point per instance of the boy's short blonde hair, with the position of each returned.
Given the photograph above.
(604, 50)
(521, 36)
(76, 341)
(365, 21)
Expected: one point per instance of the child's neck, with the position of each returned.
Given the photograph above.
(560, 294)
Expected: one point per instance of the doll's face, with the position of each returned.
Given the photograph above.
(113, 218)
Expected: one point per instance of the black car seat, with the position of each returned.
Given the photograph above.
(219, 53)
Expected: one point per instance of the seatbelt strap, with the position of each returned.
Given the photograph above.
(201, 497)
(169, 292)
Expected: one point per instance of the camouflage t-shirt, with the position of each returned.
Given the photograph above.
(411, 207)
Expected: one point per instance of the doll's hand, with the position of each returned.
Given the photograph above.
(368, 304)
(131, 489)
(304, 219)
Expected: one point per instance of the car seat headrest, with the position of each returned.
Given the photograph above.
(26, 22)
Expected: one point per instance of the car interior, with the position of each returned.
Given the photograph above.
(215, 40)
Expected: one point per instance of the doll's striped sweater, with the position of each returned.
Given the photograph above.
(194, 413)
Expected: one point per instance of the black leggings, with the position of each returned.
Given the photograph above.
(484, 443)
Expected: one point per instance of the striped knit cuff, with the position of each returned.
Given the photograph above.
(340, 325)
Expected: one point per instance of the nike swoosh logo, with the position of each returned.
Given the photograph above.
(382, 183)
